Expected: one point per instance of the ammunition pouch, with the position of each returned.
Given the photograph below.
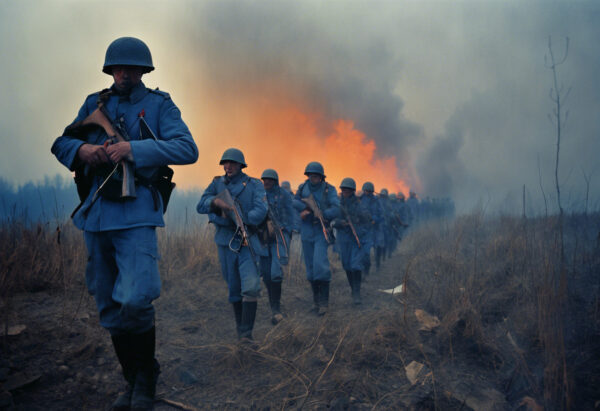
(160, 184)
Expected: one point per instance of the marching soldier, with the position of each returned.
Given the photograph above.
(352, 227)
(383, 234)
(279, 227)
(235, 204)
(135, 132)
(372, 205)
(318, 204)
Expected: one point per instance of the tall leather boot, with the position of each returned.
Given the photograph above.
(124, 352)
(148, 369)
(315, 289)
(248, 317)
(268, 286)
(350, 277)
(377, 258)
(237, 311)
(323, 298)
(356, 280)
(276, 302)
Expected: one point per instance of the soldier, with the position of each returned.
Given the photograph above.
(384, 229)
(315, 231)
(280, 223)
(413, 205)
(119, 230)
(238, 255)
(296, 216)
(352, 227)
(372, 205)
(394, 227)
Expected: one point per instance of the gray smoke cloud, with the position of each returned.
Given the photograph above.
(457, 91)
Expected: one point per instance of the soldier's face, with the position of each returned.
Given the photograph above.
(315, 178)
(269, 183)
(368, 192)
(126, 77)
(231, 168)
(347, 192)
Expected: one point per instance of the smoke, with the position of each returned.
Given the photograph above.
(450, 99)
(323, 64)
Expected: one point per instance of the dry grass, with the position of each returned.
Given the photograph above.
(507, 323)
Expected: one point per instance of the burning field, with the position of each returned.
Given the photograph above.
(485, 319)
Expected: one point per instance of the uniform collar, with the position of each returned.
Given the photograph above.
(235, 178)
(136, 94)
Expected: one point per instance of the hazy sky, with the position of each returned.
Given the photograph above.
(449, 98)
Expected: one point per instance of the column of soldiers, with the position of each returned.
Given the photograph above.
(120, 145)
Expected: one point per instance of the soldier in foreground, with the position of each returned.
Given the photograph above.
(318, 204)
(119, 146)
(236, 204)
(280, 222)
(352, 227)
(371, 203)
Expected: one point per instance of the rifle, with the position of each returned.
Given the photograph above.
(116, 133)
(311, 203)
(350, 224)
(240, 237)
(278, 231)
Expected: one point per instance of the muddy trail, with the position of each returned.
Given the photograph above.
(406, 350)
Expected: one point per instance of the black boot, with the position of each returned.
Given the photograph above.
(377, 258)
(124, 352)
(356, 280)
(237, 311)
(248, 317)
(350, 277)
(323, 298)
(268, 286)
(276, 302)
(148, 369)
(315, 289)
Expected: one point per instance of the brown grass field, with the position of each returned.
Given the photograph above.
(517, 329)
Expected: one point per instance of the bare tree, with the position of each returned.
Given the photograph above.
(558, 97)
(588, 179)
(541, 185)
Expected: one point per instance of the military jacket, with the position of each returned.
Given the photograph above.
(327, 199)
(250, 195)
(358, 214)
(281, 205)
(174, 145)
(372, 204)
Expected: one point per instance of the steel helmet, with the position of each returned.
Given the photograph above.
(401, 195)
(368, 186)
(270, 173)
(384, 192)
(348, 183)
(314, 167)
(233, 154)
(286, 185)
(128, 51)
(393, 196)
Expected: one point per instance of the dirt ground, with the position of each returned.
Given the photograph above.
(384, 354)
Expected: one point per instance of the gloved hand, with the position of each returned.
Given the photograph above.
(219, 203)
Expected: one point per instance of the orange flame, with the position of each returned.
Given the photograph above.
(286, 138)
